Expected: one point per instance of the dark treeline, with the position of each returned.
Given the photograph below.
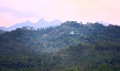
(71, 46)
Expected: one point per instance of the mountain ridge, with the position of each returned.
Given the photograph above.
(42, 23)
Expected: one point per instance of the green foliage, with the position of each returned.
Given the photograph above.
(91, 47)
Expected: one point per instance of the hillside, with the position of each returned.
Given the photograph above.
(71, 46)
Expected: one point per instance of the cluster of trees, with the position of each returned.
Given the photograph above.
(90, 47)
(1, 31)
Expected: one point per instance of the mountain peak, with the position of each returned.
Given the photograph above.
(27, 21)
(42, 20)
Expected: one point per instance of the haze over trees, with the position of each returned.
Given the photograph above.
(71, 46)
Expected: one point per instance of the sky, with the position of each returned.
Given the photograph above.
(16, 11)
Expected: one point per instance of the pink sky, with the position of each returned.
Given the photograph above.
(15, 11)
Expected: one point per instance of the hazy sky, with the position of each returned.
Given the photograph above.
(15, 11)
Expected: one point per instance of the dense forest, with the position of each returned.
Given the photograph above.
(71, 46)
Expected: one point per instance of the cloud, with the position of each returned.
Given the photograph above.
(17, 13)
(80, 10)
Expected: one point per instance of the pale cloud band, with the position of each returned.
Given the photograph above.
(80, 10)
(17, 13)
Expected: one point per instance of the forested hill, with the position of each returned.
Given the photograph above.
(71, 46)
(69, 33)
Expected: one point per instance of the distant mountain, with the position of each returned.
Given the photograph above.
(3, 28)
(40, 24)
(20, 25)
